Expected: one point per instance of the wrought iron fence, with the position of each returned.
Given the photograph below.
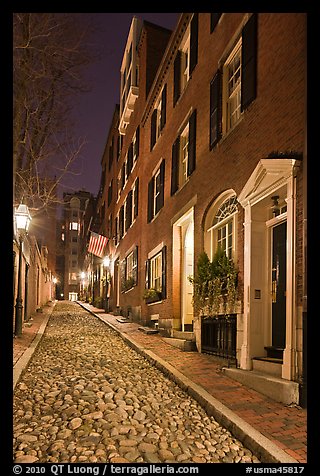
(218, 335)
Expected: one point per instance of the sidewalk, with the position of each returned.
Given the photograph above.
(277, 432)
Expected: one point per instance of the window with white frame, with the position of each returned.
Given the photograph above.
(184, 154)
(232, 88)
(129, 265)
(234, 85)
(183, 165)
(186, 58)
(223, 227)
(156, 272)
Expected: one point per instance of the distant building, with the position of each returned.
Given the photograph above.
(72, 238)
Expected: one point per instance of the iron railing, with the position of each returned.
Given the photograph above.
(218, 336)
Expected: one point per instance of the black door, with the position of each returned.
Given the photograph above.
(279, 275)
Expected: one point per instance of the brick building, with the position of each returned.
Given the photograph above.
(210, 153)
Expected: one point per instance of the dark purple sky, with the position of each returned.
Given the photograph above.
(94, 110)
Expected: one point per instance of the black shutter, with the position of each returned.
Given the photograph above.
(136, 197)
(164, 273)
(116, 231)
(135, 265)
(121, 222)
(153, 128)
(123, 175)
(130, 159)
(175, 166)
(129, 210)
(163, 107)
(160, 197)
(193, 42)
(215, 109)
(137, 142)
(214, 19)
(150, 199)
(176, 77)
(147, 282)
(249, 62)
(192, 143)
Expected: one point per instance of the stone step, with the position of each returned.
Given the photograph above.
(148, 330)
(268, 365)
(182, 344)
(183, 335)
(276, 388)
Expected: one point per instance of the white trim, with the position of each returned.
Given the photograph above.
(155, 250)
(270, 175)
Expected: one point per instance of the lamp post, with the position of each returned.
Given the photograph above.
(106, 264)
(22, 221)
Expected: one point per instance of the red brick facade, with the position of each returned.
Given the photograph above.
(271, 126)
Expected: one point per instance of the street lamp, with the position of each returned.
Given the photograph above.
(22, 221)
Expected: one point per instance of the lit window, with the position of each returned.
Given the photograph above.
(232, 88)
(222, 229)
(74, 225)
(156, 272)
(183, 166)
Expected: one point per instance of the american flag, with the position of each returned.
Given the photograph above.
(97, 244)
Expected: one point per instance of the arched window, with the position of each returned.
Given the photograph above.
(220, 225)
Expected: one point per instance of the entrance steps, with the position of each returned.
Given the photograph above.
(183, 340)
(268, 365)
(278, 389)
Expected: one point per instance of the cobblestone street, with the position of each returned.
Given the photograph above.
(87, 396)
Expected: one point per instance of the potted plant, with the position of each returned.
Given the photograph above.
(128, 284)
(151, 295)
(215, 284)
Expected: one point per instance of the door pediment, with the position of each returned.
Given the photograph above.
(268, 176)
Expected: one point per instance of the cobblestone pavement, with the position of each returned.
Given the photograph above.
(86, 396)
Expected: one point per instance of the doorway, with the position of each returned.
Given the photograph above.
(279, 278)
(186, 272)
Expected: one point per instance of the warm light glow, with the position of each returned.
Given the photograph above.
(82, 275)
(55, 280)
(22, 217)
(106, 261)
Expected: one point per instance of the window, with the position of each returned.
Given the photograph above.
(111, 153)
(221, 226)
(129, 270)
(110, 193)
(233, 87)
(156, 272)
(72, 277)
(158, 118)
(74, 225)
(186, 58)
(156, 192)
(184, 155)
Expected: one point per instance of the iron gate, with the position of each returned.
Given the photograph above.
(218, 335)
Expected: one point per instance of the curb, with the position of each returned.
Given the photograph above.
(265, 450)
(22, 363)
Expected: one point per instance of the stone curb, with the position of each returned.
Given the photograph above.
(262, 447)
(22, 363)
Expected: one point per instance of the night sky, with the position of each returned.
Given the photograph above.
(94, 110)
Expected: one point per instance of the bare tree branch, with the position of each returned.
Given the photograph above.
(50, 52)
